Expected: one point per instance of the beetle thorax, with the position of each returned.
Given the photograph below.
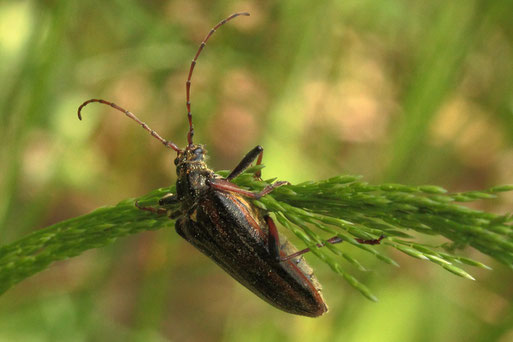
(193, 174)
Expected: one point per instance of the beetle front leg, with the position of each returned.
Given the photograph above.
(258, 174)
(270, 188)
(159, 211)
(169, 199)
(225, 185)
(258, 151)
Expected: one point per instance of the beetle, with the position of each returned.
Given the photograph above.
(218, 218)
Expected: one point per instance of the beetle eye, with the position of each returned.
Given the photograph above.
(198, 154)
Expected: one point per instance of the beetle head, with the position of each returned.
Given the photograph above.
(193, 154)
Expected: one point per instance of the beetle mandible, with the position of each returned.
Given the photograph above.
(217, 217)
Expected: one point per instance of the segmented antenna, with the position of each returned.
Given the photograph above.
(167, 143)
(193, 64)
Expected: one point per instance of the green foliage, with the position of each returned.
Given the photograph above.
(342, 206)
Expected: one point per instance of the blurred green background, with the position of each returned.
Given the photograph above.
(398, 91)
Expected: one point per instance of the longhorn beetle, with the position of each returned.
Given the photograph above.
(217, 217)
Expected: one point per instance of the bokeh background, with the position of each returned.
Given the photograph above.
(415, 92)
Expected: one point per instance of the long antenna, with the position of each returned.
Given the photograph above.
(154, 134)
(193, 64)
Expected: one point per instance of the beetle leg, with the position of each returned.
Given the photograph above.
(273, 241)
(258, 151)
(332, 241)
(270, 188)
(175, 214)
(169, 199)
(371, 241)
(258, 174)
(159, 211)
(224, 185)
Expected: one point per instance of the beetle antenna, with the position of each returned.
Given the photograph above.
(167, 143)
(193, 64)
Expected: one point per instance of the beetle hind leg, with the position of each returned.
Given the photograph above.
(371, 241)
(274, 242)
(333, 241)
